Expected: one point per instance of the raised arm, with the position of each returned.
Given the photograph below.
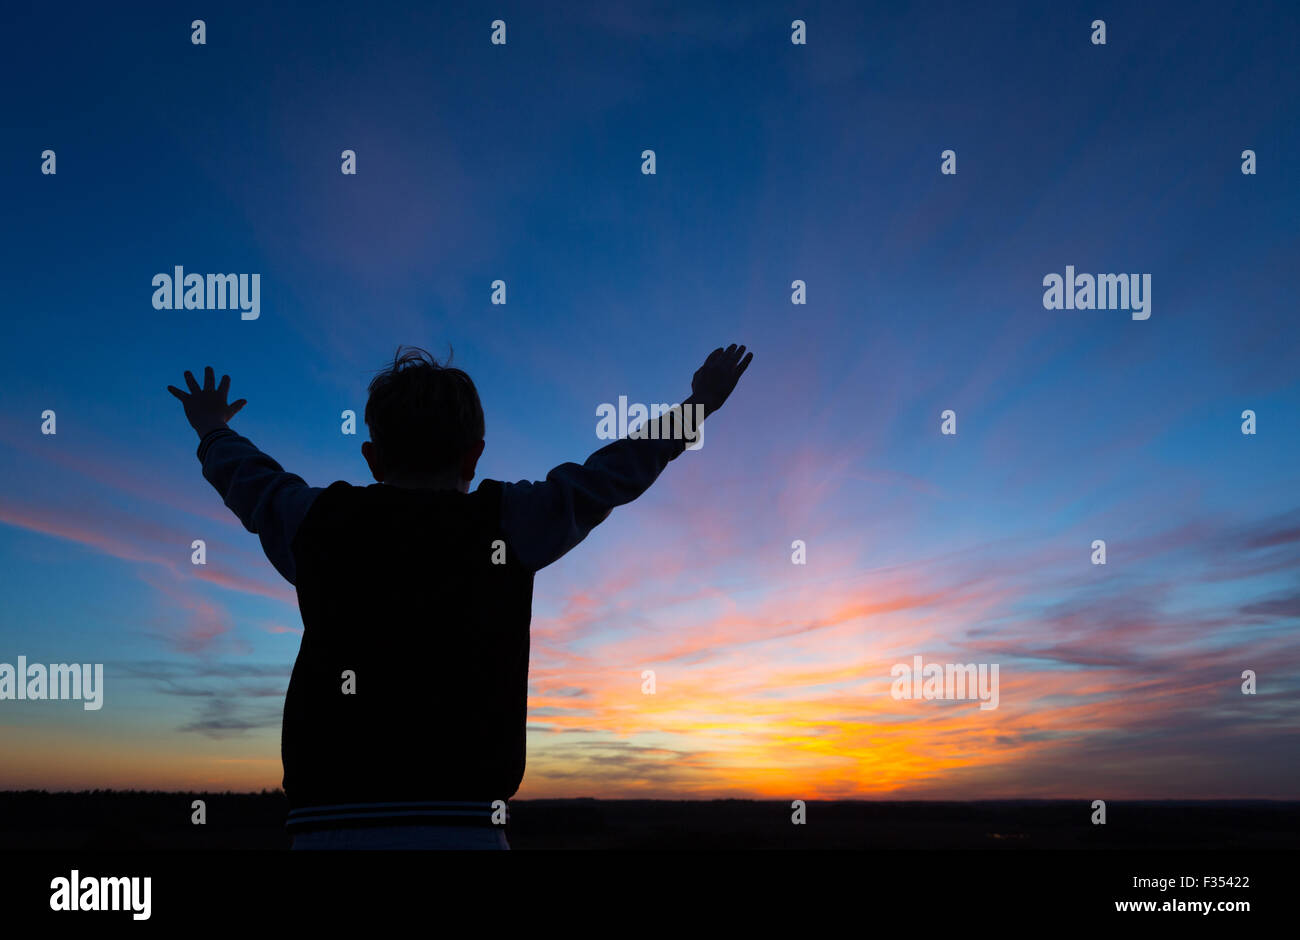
(268, 500)
(544, 520)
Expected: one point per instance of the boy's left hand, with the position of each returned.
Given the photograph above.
(206, 407)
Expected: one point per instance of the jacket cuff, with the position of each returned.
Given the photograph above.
(207, 440)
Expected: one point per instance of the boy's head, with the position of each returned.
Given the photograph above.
(426, 423)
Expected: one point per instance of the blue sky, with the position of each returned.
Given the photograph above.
(774, 162)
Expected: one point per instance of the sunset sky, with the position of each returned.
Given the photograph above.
(775, 162)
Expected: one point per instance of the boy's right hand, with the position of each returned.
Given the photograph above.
(715, 380)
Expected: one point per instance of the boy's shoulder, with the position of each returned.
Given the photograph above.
(484, 488)
(341, 493)
(349, 512)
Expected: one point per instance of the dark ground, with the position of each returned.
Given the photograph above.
(128, 820)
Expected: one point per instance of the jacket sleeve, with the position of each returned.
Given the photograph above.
(268, 500)
(544, 520)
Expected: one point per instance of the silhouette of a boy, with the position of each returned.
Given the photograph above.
(405, 714)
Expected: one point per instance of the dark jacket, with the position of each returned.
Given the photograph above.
(408, 699)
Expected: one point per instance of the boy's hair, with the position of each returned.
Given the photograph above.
(422, 415)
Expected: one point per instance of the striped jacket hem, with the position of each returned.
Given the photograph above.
(425, 813)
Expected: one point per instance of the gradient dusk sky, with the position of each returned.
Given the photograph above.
(775, 162)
